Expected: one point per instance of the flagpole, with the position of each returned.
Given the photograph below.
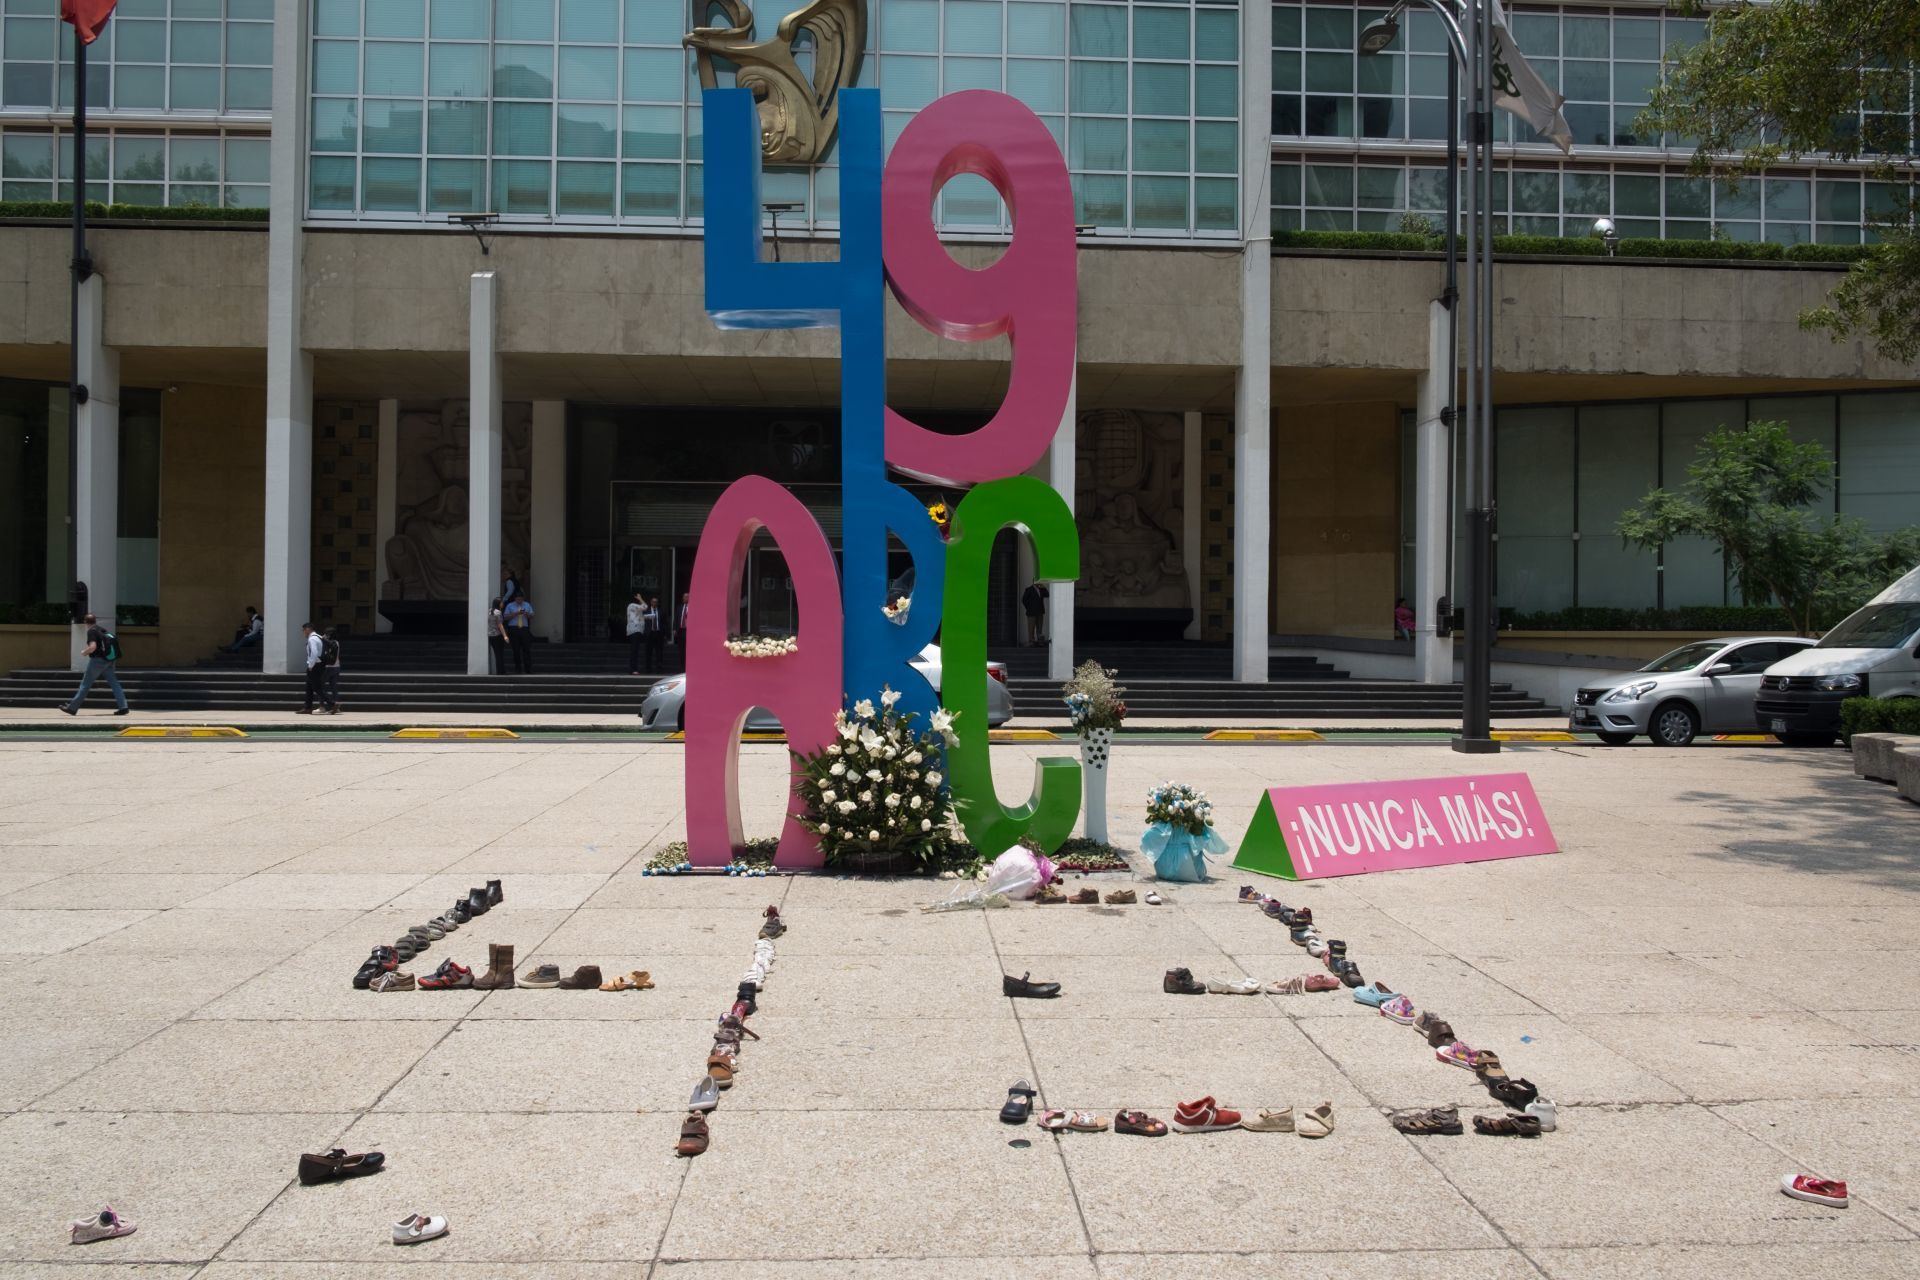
(81, 269)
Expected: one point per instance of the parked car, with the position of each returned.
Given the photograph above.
(665, 706)
(1873, 653)
(1704, 687)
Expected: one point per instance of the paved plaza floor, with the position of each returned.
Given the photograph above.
(1718, 981)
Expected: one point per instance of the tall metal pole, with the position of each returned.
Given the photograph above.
(81, 268)
(1451, 412)
(1475, 728)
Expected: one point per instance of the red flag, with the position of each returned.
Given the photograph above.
(87, 16)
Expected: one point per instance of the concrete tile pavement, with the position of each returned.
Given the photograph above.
(176, 1018)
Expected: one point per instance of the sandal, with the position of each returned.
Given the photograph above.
(1019, 1103)
(1516, 1092)
(1287, 987)
(620, 982)
(1052, 1121)
(1141, 1123)
(1486, 1065)
(1079, 1122)
(1507, 1126)
(1317, 1123)
(1433, 1120)
(1435, 1028)
(693, 1136)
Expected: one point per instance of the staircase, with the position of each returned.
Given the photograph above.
(423, 677)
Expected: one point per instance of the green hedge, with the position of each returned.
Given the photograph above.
(139, 212)
(1579, 246)
(1879, 715)
(53, 614)
(1699, 618)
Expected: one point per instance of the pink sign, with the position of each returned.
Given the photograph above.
(1346, 829)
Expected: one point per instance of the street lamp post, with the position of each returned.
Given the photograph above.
(1471, 50)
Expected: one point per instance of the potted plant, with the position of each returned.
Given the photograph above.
(1180, 832)
(875, 795)
(1095, 707)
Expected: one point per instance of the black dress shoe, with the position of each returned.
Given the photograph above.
(1024, 986)
(477, 903)
(494, 893)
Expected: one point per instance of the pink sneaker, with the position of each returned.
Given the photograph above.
(107, 1224)
(1804, 1186)
(1203, 1117)
(1400, 1009)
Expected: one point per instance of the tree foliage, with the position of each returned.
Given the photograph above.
(1749, 492)
(1793, 78)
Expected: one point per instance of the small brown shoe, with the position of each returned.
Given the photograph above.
(1085, 898)
(1121, 898)
(1047, 896)
(585, 978)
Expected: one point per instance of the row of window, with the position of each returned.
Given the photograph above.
(208, 168)
(1374, 193)
(153, 55)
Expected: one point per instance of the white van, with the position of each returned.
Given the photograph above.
(1874, 653)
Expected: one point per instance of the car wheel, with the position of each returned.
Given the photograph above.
(1615, 739)
(1807, 739)
(1674, 724)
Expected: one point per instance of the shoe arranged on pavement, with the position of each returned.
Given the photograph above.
(1801, 1186)
(495, 894)
(1511, 1125)
(104, 1225)
(1233, 986)
(398, 980)
(1203, 1116)
(1515, 1092)
(706, 1094)
(416, 1228)
(337, 1164)
(450, 976)
(1443, 1121)
(460, 913)
(585, 978)
(544, 975)
(477, 903)
(1315, 1123)
(1025, 987)
(1543, 1110)
(1270, 1122)
(382, 960)
(1181, 982)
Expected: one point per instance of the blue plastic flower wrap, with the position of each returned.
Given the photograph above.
(1178, 854)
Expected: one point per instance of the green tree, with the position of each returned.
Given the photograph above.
(1748, 491)
(1791, 78)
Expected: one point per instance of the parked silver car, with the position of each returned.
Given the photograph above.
(1705, 687)
(665, 707)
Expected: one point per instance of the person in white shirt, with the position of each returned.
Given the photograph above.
(655, 637)
(315, 672)
(636, 627)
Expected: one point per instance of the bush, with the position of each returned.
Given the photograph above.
(1879, 715)
(131, 212)
(1385, 241)
(34, 615)
(1410, 239)
(1827, 252)
(1553, 246)
(1762, 250)
(1696, 618)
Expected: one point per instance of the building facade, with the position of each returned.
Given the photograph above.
(479, 220)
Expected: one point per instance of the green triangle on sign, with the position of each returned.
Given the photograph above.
(1264, 848)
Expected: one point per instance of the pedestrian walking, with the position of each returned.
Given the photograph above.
(636, 631)
(103, 652)
(497, 637)
(310, 639)
(330, 669)
(519, 619)
(1034, 601)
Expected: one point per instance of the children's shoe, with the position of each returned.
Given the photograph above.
(1543, 1110)
(1233, 986)
(1458, 1054)
(1181, 982)
(418, 1227)
(107, 1224)
(1399, 1008)
(1203, 1117)
(1249, 894)
(1801, 1186)
(450, 976)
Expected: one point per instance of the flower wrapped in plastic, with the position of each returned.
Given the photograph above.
(876, 794)
(762, 646)
(1180, 835)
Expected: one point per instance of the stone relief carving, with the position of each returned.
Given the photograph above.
(1130, 511)
(798, 111)
(426, 559)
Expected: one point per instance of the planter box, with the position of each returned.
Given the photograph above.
(43, 645)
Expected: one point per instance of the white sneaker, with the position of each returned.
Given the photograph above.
(104, 1225)
(417, 1227)
(757, 976)
(1543, 1110)
(1233, 986)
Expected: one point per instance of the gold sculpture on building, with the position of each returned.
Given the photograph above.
(798, 113)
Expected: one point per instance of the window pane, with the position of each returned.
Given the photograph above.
(972, 26)
(196, 42)
(404, 19)
(1585, 81)
(1637, 38)
(592, 74)
(588, 131)
(522, 19)
(657, 22)
(651, 133)
(522, 129)
(909, 82)
(1216, 35)
(389, 126)
(250, 89)
(1329, 29)
(138, 41)
(1216, 91)
(391, 185)
(336, 66)
(1837, 201)
(336, 126)
(1537, 34)
(1330, 72)
(1692, 573)
(520, 186)
(194, 160)
(1099, 31)
(907, 26)
(247, 159)
(971, 73)
(335, 18)
(1099, 87)
(525, 70)
(1161, 145)
(970, 200)
(1041, 85)
(1328, 185)
(1534, 471)
(1160, 202)
(1161, 33)
(23, 155)
(652, 75)
(1788, 199)
(649, 190)
(597, 21)
(1159, 89)
(1619, 462)
(459, 20)
(1880, 454)
(457, 70)
(585, 189)
(331, 182)
(1036, 28)
(456, 186)
(457, 128)
(1100, 199)
(1097, 144)
(1586, 193)
(1584, 37)
(1380, 188)
(394, 70)
(132, 87)
(1636, 196)
(1216, 147)
(1214, 204)
(194, 89)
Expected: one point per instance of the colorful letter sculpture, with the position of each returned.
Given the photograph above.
(888, 239)
(1350, 828)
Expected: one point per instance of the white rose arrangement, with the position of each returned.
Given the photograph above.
(874, 794)
(762, 646)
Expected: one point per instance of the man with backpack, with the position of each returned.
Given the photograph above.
(316, 670)
(330, 668)
(103, 651)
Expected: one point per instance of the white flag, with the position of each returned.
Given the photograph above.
(1519, 88)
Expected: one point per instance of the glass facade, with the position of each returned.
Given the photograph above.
(178, 100)
(1564, 473)
(1359, 141)
(588, 111)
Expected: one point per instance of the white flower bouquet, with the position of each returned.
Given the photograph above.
(1180, 832)
(762, 646)
(875, 794)
(1094, 701)
(897, 611)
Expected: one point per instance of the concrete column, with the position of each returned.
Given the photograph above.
(1432, 514)
(96, 452)
(1060, 474)
(59, 497)
(1190, 500)
(386, 501)
(1253, 385)
(483, 453)
(286, 595)
(548, 569)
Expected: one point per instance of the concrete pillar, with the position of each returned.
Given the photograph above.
(483, 453)
(1253, 385)
(1432, 513)
(59, 495)
(386, 501)
(1060, 474)
(96, 452)
(1190, 500)
(286, 595)
(548, 567)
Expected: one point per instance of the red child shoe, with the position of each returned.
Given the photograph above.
(1203, 1117)
(1804, 1186)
